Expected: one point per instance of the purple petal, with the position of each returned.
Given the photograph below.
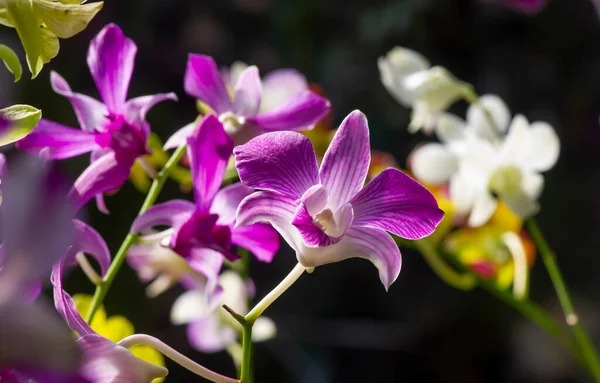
(137, 108)
(107, 173)
(208, 335)
(90, 242)
(280, 86)
(64, 303)
(90, 113)
(301, 112)
(248, 91)
(111, 58)
(312, 235)
(179, 138)
(227, 201)
(203, 81)
(282, 162)
(205, 261)
(209, 149)
(273, 208)
(171, 213)
(395, 202)
(261, 239)
(60, 141)
(346, 162)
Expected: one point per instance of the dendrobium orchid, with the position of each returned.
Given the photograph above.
(203, 232)
(411, 80)
(325, 214)
(210, 327)
(115, 132)
(282, 101)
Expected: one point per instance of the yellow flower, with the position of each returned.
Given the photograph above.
(39, 24)
(116, 328)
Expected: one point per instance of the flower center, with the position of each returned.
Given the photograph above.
(326, 222)
(231, 122)
(506, 181)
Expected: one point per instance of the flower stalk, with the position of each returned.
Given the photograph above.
(157, 185)
(581, 337)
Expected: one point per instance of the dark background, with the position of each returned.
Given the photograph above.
(339, 324)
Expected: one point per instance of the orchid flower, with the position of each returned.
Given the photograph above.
(282, 101)
(482, 165)
(212, 329)
(203, 232)
(410, 79)
(115, 132)
(40, 23)
(326, 215)
(35, 342)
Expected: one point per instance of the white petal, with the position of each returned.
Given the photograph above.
(544, 147)
(450, 128)
(190, 306)
(179, 137)
(234, 291)
(397, 64)
(532, 184)
(489, 107)
(483, 209)
(433, 164)
(264, 329)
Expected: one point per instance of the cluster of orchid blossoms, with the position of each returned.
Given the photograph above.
(319, 203)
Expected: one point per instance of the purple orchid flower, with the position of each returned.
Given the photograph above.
(115, 132)
(250, 112)
(325, 214)
(35, 342)
(202, 233)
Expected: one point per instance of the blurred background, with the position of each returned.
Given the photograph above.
(338, 324)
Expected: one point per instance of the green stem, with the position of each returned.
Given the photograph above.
(583, 341)
(246, 370)
(157, 185)
(461, 281)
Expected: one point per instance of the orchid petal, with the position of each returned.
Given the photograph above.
(433, 163)
(111, 58)
(203, 81)
(282, 162)
(248, 92)
(61, 141)
(227, 201)
(189, 307)
(171, 213)
(260, 239)
(205, 261)
(90, 242)
(484, 206)
(179, 138)
(450, 128)
(19, 121)
(208, 335)
(64, 303)
(395, 202)
(11, 61)
(137, 108)
(107, 173)
(276, 209)
(264, 329)
(346, 162)
(209, 149)
(312, 235)
(301, 112)
(393, 69)
(480, 115)
(90, 113)
(280, 86)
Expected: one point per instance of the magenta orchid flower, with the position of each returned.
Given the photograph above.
(251, 111)
(203, 232)
(325, 214)
(115, 132)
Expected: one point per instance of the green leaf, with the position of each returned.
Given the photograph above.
(65, 20)
(4, 19)
(11, 61)
(22, 119)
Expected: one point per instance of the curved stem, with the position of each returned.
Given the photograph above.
(275, 293)
(461, 281)
(175, 356)
(583, 341)
(117, 262)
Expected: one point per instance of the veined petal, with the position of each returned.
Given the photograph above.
(89, 241)
(61, 141)
(208, 335)
(90, 113)
(64, 303)
(171, 213)
(179, 137)
(346, 162)
(111, 58)
(301, 112)
(248, 92)
(282, 162)
(433, 163)
(276, 209)
(260, 239)
(227, 201)
(137, 108)
(395, 202)
(280, 86)
(209, 149)
(107, 173)
(203, 81)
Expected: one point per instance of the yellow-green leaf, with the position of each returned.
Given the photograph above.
(4, 19)
(20, 13)
(22, 119)
(65, 20)
(11, 61)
